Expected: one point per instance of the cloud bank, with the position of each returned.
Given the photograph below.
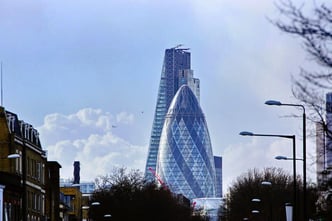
(88, 136)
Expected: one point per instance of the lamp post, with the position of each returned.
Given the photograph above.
(268, 183)
(278, 103)
(84, 212)
(247, 133)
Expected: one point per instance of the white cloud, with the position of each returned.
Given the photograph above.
(87, 136)
(125, 117)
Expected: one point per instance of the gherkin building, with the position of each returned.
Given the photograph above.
(185, 160)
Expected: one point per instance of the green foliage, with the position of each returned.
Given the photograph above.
(126, 196)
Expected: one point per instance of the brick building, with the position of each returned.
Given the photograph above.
(25, 181)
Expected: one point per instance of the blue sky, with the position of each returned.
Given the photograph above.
(86, 75)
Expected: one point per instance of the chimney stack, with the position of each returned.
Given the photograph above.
(76, 172)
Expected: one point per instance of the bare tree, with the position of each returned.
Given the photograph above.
(248, 194)
(315, 31)
(127, 196)
(314, 28)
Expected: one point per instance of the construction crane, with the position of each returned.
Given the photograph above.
(161, 182)
(180, 45)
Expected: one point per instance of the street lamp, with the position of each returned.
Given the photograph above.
(266, 183)
(13, 156)
(95, 203)
(107, 216)
(247, 133)
(278, 103)
(285, 158)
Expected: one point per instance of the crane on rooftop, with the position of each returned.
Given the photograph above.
(180, 45)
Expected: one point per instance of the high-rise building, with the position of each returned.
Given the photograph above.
(218, 167)
(180, 152)
(185, 160)
(329, 127)
(324, 146)
(175, 72)
(320, 155)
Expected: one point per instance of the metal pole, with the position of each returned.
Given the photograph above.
(304, 168)
(24, 177)
(294, 179)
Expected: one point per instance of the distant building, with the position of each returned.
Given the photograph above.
(209, 208)
(180, 153)
(185, 158)
(175, 72)
(218, 167)
(329, 126)
(76, 194)
(72, 199)
(324, 147)
(53, 190)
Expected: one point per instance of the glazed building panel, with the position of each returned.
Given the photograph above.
(185, 158)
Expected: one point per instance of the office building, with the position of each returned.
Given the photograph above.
(218, 168)
(329, 127)
(320, 156)
(324, 147)
(180, 153)
(185, 160)
(176, 71)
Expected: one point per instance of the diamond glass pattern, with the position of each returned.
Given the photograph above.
(185, 160)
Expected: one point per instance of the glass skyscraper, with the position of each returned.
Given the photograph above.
(185, 159)
(175, 72)
(218, 167)
(180, 152)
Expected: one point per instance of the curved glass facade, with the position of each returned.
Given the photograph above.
(185, 159)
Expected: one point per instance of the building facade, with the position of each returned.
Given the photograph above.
(324, 147)
(72, 199)
(218, 167)
(24, 178)
(176, 70)
(53, 190)
(162, 164)
(185, 160)
(329, 127)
